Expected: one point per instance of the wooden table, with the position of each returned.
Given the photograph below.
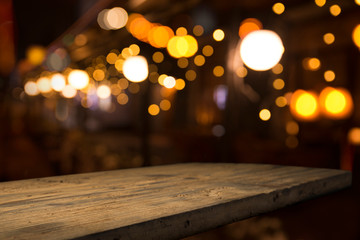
(162, 202)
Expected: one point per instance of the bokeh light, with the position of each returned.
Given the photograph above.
(329, 75)
(199, 60)
(122, 98)
(80, 40)
(218, 35)
(159, 36)
(111, 58)
(291, 141)
(265, 114)
(58, 82)
(356, 36)
(335, 103)
(292, 128)
(312, 64)
(116, 18)
(277, 69)
(78, 79)
(158, 57)
(281, 101)
(103, 91)
(304, 105)
(261, 50)
(183, 62)
(218, 71)
(329, 38)
(335, 10)
(278, 84)
(241, 72)
(249, 25)
(135, 68)
(180, 84)
(182, 46)
(135, 49)
(198, 30)
(320, 3)
(190, 75)
(354, 136)
(44, 85)
(208, 50)
(169, 82)
(69, 91)
(31, 88)
(278, 8)
(35, 54)
(181, 31)
(153, 109)
(99, 75)
(165, 105)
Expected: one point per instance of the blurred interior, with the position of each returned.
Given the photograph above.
(207, 106)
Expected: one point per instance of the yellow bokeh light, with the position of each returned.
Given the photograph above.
(320, 3)
(311, 64)
(119, 65)
(135, 49)
(169, 82)
(329, 38)
(335, 10)
(162, 78)
(261, 50)
(181, 31)
(357, 2)
(182, 62)
(182, 46)
(292, 128)
(281, 101)
(277, 69)
(111, 58)
(58, 82)
(218, 35)
(208, 50)
(241, 72)
(158, 57)
(103, 91)
(278, 8)
(356, 36)
(304, 105)
(354, 136)
(278, 84)
(265, 114)
(122, 99)
(153, 109)
(329, 75)
(123, 83)
(44, 85)
(31, 88)
(192, 46)
(198, 30)
(190, 75)
(336, 103)
(249, 25)
(80, 40)
(180, 84)
(36, 55)
(69, 91)
(199, 60)
(139, 26)
(99, 75)
(218, 71)
(78, 79)
(165, 105)
(115, 89)
(135, 68)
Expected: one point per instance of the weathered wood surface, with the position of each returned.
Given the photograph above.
(163, 202)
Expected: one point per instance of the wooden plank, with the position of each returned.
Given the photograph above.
(162, 202)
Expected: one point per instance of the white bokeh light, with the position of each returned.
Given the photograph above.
(261, 50)
(135, 68)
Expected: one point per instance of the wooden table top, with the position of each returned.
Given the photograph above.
(161, 202)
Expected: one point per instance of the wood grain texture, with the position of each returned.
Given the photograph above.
(162, 202)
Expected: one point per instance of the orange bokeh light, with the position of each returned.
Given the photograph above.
(249, 25)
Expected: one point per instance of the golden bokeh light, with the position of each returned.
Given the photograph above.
(161, 79)
(265, 114)
(329, 38)
(329, 75)
(292, 128)
(80, 40)
(277, 69)
(278, 84)
(199, 60)
(261, 50)
(159, 36)
(78, 79)
(103, 91)
(123, 83)
(31, 88)
(169, 82)
(249, 25)
(158, 57)
(119, 65)
(69, 91)
(135, 68)
(198, 30)
(165, 105)
(190, 75)
(304, 105)
(180, 84)
(241, 72)
(218, 71)
(153, 109)
(335, 10)
(115, 89)
(356, 36)
(354, 136)
(134, 88)
(312, 64)
(336, 103)
(135, 49)
(139, 26)
(99, 75)
(111, 58)
(183, 62)
(122, 99)
(181, 31)
(281, 101)
(218, 35)
(278, 8)
(44, 85)
(182, 46)
(320, 3)
(58, 82)
(208, 50)
(36, 54)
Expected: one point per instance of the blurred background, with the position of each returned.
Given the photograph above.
(92, 85)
